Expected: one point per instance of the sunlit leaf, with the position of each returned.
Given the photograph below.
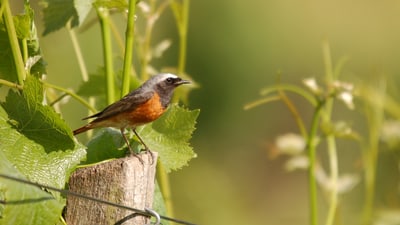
(22, 25)
(35, 120)
(83, 8)
(170, 135)
(25, 203)
(39, 146)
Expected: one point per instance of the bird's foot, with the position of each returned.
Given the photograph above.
(148, 151)
(137, 156)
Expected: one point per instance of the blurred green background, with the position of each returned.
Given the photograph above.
(235, 48)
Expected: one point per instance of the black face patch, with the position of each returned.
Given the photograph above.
(173, 81)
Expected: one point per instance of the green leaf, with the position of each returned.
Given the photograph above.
(95, 86)
(22, 25)
(39, 146)
(83, 8)
(25, 204)
(36, 121)
(57, 13)
(26, 33)
(37, 141)
(7, 65)
(170, 135)
(105, 145)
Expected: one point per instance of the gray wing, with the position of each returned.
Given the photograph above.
(127, 103)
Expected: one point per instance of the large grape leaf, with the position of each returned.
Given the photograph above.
(39, 146)
(24, 204)
(36, 121)
(170, 135)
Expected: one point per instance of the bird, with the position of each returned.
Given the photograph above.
(141, 106)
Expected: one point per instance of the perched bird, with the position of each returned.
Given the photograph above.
(141, 106)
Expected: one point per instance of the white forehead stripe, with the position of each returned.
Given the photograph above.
(160, 77)
(164, 76)
(167, 75)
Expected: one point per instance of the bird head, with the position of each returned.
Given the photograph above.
(165, 82)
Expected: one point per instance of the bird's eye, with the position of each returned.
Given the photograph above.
(169, 80)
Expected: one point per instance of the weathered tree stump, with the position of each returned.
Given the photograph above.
(125, 181)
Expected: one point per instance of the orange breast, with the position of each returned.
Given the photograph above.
(145, 113)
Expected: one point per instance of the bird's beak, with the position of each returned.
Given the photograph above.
(179, 81)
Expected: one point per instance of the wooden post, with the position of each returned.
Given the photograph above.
(125, 181)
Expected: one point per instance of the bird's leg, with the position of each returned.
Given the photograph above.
(129, 146)
(140, 139)
(126, 140)
(145, 146)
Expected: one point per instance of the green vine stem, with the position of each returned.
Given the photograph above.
(261, 101)
(181, 13)
(145, 59)
(129, 42)
(289, 104)
(153, 15)
(333, 166)
(311, 148)
(78, 53)
(330, 139)
(72, 94)
(375, 117)
(82, 67)
(183, 37)
(12, 36)
(1, 8)
(24, 44)
(10, 84)
(107, 48)
(165, 188)
(291, 88)
(333, 162)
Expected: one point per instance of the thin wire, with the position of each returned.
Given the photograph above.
(155, 215)
(147, 212)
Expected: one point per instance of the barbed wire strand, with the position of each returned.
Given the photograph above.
(67, 192)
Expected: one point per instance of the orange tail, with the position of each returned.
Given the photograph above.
(82, 129)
